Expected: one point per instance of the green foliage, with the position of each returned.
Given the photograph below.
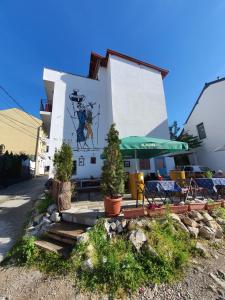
(25, 253)
(174, 129)
(208, 174)
(44, 203)
(113, 174)
(193, 141)
(63, 163)
(219, 212)
(118, 267)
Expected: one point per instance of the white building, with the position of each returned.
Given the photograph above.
(207, 121)
(119, 89)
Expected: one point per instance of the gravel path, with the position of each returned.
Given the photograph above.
(15, 202)
(21, 283)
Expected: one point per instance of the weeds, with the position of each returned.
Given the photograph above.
(44, 203)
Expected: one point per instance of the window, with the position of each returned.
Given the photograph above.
(74, 167)
(201, 131)
(144, 164)
(93, 160)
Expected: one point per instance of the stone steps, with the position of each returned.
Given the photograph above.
(60, 238)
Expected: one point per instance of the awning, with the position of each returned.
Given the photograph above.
(147, 147)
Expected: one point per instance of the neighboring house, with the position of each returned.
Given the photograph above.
(119, 89)
(206, 120)
(22, 133)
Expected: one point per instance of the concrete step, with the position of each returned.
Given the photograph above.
(67, 230)
(60, 238)
(59, 248)
(84, 217)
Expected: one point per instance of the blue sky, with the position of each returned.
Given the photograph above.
(185, 36)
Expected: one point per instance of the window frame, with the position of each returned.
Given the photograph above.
(201, 137)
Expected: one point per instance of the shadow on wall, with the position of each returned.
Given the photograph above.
(161, 131)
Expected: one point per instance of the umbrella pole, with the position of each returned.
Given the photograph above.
(135, 156)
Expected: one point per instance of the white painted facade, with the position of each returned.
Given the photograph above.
(210, 110)
(125, 92)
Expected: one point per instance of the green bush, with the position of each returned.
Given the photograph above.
(219, 212)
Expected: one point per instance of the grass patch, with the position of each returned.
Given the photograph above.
(117, 268)
(44, 203)
(219, 212)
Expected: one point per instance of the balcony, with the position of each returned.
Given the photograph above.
(45, 106)
(45, 113)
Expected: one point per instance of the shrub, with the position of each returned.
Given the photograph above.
(113, 174)
(44, 203)
(63, 163)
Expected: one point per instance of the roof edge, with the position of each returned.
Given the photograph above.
(207, 84)
(96, 60)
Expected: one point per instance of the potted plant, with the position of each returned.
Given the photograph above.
(196, 206)
(63, 164)
(113, 174)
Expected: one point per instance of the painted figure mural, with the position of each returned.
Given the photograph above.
(83, 112)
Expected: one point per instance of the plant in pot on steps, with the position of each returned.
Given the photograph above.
(113, 175)
(63, 166)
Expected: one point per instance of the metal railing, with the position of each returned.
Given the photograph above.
(45, 106)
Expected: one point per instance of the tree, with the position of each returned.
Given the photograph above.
(113, 174)
(63, 163)
(192, 141)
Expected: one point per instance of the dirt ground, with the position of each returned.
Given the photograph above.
(200, 282)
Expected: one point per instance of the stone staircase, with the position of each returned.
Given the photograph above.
(60, 238)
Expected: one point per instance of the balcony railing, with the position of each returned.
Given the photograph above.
(45, 106)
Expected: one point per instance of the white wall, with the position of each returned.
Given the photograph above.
(210, 110)
(138, 99)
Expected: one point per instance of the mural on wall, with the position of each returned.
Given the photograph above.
(85, 117)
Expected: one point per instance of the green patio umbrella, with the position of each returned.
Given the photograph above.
(147, 147)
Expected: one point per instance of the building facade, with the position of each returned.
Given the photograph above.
(206, 121)
(119, 89)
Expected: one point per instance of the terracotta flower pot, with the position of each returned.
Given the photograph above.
(212, 206)
(197, 206)
(179, 209)
(136, 212)
(112, 206)
(157, 212)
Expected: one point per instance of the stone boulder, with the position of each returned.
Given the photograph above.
(193, 232)
(207, 233)
(83, 238)
(55, 217)
(137, 238)
(195, 215)
(202, 250)
(189, 222)
(51, 208)
(220, 221)
(207, 217)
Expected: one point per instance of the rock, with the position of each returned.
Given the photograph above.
(207, 233)
(120, 228)
(216, 227)
(51, 208)
(174, 217)
(47, 215)
(203, 251)
(195, 215)
(131, 225)
(107, 226)
(83, 238)
(104, 260)
(37, 219)
(113, 226)
(88, 265)
(137, 238)
(181, 226)
(124, 223)
(189, 222)
(55, 217)
(193, 232)
(220, 221)
(219, 233)
(151, 250)
(218, 281)
(207, 217)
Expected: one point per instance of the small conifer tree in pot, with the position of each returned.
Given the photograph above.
(113, 175)
(63, 164)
